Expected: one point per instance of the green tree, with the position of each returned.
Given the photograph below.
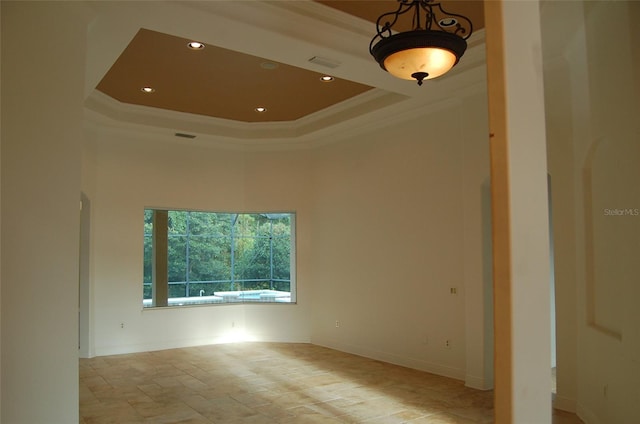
(203, 248)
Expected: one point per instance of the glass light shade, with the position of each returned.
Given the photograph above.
(418, 54)
(432, 60)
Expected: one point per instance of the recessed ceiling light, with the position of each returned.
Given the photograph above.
(148, 89)
(260, 109)
(269, 65)
(195, 45)
(326, 78)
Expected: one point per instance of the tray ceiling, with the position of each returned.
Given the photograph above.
(219, 82)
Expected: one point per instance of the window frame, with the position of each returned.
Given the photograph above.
(160, 284)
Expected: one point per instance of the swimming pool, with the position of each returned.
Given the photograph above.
(240, 296)
(254, 296)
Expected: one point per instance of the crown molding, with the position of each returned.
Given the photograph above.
(362, 104)
(360, 115)
(284, 30)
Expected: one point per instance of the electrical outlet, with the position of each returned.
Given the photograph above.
(122, 325)
(337, 323)
(447, 344)
(453, 290)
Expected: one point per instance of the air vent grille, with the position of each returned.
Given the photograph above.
(323, 61)
(184, 135)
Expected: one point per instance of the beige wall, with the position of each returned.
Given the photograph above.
(41, 137)
(520, 212)
(592, 113)
(0, 229)
(397, 304)
(592, 81)
(390, 241)
(133, 173)
(387, 223)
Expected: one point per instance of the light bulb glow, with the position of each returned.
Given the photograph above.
(195, 45)
(434, 61)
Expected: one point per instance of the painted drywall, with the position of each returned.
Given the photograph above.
(592, 81)
(392, 235)
(41, 165)
(0, 225)
(86, 293)
(44, 167)
(477, 263)
(133, 173)
(521, 225)
(42, 112)
(387, 224)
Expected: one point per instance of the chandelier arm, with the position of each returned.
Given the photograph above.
(463, 31)
(427, 51)
(427, 7)
(416, 15)
(384, 30)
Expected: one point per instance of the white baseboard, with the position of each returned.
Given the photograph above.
(586, 415)
(478, 383)
(177, 344)
(564, 404)
(392, 358)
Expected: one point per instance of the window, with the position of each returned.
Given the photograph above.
(195, 257)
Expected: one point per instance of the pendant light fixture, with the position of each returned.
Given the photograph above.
(434, 45)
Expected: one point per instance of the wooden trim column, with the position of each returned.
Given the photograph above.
(503, 405)
(160, 275)
(522, 359)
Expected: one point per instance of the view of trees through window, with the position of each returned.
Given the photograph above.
(213, 255)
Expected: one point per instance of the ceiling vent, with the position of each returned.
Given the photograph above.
(323, 61)
(184, 135)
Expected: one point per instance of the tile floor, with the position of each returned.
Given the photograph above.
(266, 383)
